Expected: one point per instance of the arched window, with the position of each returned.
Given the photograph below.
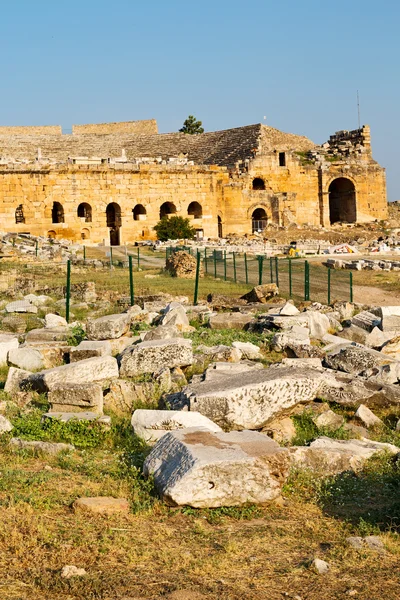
(168, 208)
(258, 220)
(139, 213)
(51, 235)
(258, 184)
(85, 234)
(57, 213)
(85, 212)
(342, 201)
(195, 209)
(19, 214)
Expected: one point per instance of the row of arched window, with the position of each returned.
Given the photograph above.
(113, 212)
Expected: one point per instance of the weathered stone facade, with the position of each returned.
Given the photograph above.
(112, 182)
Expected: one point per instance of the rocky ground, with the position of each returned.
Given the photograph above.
(245, 448)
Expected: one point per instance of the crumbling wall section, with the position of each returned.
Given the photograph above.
(34, 130)
(137, 127)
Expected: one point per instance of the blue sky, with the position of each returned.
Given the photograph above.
(230, 63)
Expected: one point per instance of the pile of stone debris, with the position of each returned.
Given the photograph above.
(182, 264)
(363, 264)
(222, 434)
(26, 246)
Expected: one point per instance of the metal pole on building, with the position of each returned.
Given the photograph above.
(68, 291)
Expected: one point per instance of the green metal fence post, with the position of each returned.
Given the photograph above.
(205, 260)
(245, 268)
(260, 269)
(68, 291)
(111, 257)
(306, 280)
(270, 270)
(84, 254)
(224, 265)
(131, 289)
(329, 285)
(234, 266)
(138, 258)
(290, 277)
(351, 286)
(215, 264)
(276, 271)
(36, 248)
(196, 284)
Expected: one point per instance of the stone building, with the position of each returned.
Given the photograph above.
(112, 182)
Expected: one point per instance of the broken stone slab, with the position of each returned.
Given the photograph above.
(249, 400)
(37, 300)
(108, 327)
(230, 320)
(7, 344)
(367, 417)
(149, 357)
(218, 369)
(300, 362)
(21, 306)
(65, 417)
(47, 447)
(353, 390)
(372, 542)
(52, 320)
(281, 430)
(15, 378)
(249, 351)
(89, 349)
(221, 353)
(162, 332)
(392, 348)
(362, 361)
(175, 315)
(278, 322)
(262, 293)
(55, 334)
(329, 419)
(318, 324)
(119, 345)
(330, 456)
(85, 371)
(151, 425)
(366, 320)
(102, 505)
(288, 310)
(5, 425)
(292, 336)
(207, 469)
(27, 358)
(77, 398)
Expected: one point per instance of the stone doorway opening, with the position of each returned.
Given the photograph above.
(220, 227)
(113, 214)
(168, 208)
(342, 201)
(258, 220)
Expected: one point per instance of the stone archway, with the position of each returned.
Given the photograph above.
(220, 227)
(342, 201)
(258, 220)
(167, 208)
(113, 215)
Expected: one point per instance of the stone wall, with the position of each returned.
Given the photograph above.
(35, 130)
(136, 127)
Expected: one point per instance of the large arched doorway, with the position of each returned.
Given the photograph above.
(113, 214)
(57, 213)
(258, 220)
(342, 201)
(168, 208)
(220, 227)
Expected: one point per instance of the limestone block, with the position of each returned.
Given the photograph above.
(55, 334)
(26, 358)
(151, 425)
(52, 320)
(328, 419)
(175, 314)
(202, 469)
(162, 332)
(15, 377)
(249, 351)
(21, 306)
(102, 505)
(84, 371)
(366, 320)
(7, 344)
(262, 293)
(64, 417)
(47, 447)
(77, 397)
(330, 456)
(149, 357)
(318, 324)
(108, 327)
(293, 336)
(249, 400)
(288, 310)
(5, 425)
(367, 417)
(230, 320)
(362, 361)
(89, 349)
(221, 353)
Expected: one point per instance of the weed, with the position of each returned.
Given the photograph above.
(77, 335)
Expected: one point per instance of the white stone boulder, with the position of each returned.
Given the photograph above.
(200, 468)
(5, 425)
(288, 310)
(151, 425)
(318, 323)
(292, 336)
(249, 400)
(149, 357)
(52, 320)
(367, 417)
(331, 456)
(108, 327)
(7, 343)
(175, 315)
(26, 358)
(84, 371)
(21, 306)
(15, 378)
(249, 351)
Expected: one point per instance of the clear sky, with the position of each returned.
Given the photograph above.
(228, 62)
